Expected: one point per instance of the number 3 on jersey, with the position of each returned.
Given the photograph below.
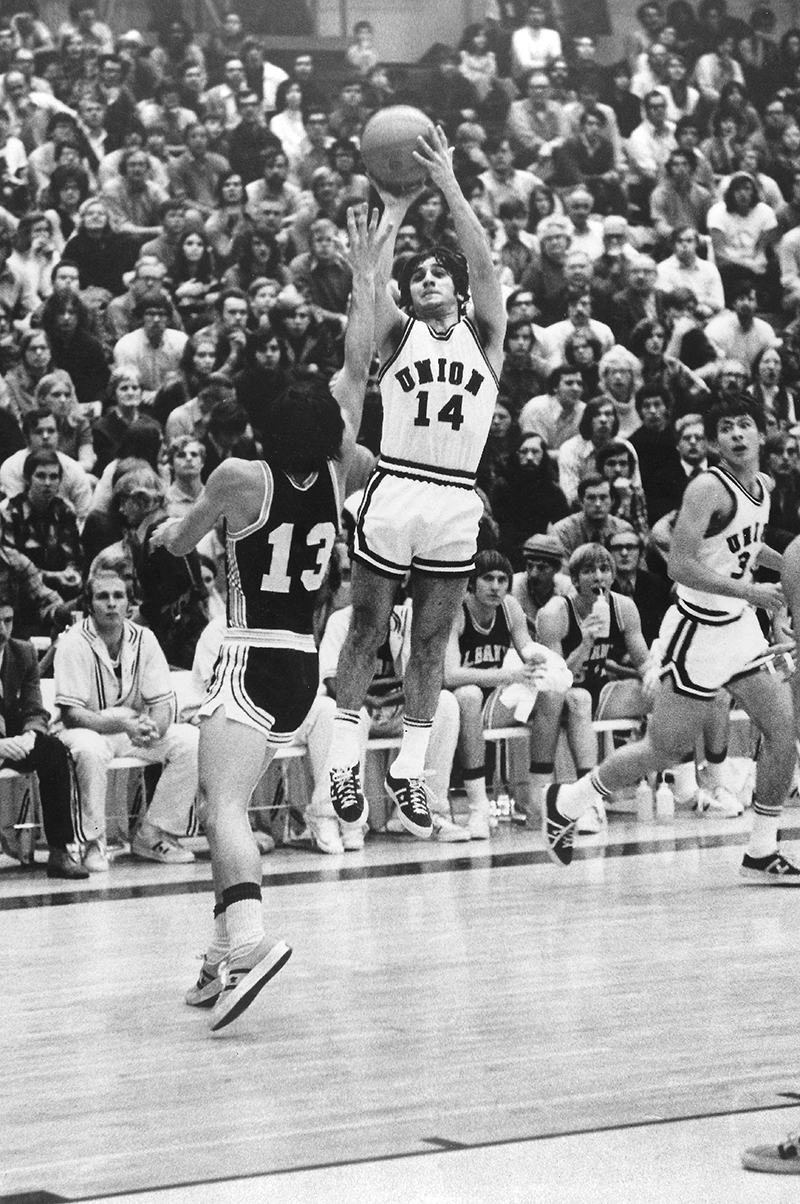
(277, 580)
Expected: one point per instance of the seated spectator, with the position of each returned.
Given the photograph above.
(186, 457)
(288, 124)
(489, 625)
(134, 202)
(742, 229)
(524, 369)
(541, 579)
(228, 330)
(27, 747)
(533, 46)
(124, 401)
(40, 428)
(41, 525)
(547, 280)
(526, 499)
(55, 392)
(584, 352)
(517, 249)
(345, 159)
(650, 592)
(309, 343)
(195, 286)
(620, 376)
(594, 522)
(555, 415)
(738, 334)
(322, 275)
(195, 175)
(687, 390)
(274, 185)
(663, 479)
(534, 123)
(769, 389)
(600, 643)
(255, 254)
(38, 246)
(717, 68)
(114, 692)
(781, 459)
(678, 200)
(553, 338)
(617, 463)
(648, 148)
(228, 434)
(172, 216)
(101, 253)
(250, 139)
(685, 269)
(588, 158)
(192, 418)
(149, 279)
(264, 376)
(172, 598)
(68, 324)
(35, 361)
(587, 226)
(69, 187)
(40, 610)
(768, 190)
(153, 350)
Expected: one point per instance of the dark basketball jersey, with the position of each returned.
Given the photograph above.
(613, 648)
(276, 565)
(485, 649)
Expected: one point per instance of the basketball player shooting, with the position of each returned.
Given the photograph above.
(438, 379)
(281, 517)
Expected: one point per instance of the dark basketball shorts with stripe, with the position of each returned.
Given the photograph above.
(702, 657)
(270, 689)
(425, 525)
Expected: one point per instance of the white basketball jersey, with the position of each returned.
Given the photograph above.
(438, 393)
(731, 552)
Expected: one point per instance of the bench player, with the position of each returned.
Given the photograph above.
(281, 516)
(711, 639)
(420, 512)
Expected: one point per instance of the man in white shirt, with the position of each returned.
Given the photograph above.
(533, 47)
(556, 415)
(714, 70)
(587, 234)
(154, 350)
(553, 338)
(651, 143)
(503, 181)
(740, 335)
(685, 269)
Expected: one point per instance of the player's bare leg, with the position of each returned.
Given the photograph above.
(233, 757)
(373, 597)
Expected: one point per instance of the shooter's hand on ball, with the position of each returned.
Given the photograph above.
(437, 156)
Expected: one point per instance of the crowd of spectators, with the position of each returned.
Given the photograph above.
(172, 225)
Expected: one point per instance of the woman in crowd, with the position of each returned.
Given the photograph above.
(37, 249)
(346, 162)
(288, 124)
(65, 320)
(584, 350)
(577, 457)
(263, 378)
(687, 391)
(255, 254)
(195, 286)
(742, 230)
(56, 392)
(429, 214)
(477, 61)
(124, 402)
(723, 148)
(68, 189)
(768, 387)
(102, 255)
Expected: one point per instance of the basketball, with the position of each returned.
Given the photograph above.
(387, 143)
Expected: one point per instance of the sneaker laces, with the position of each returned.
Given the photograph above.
(417, 797)
(345, 784)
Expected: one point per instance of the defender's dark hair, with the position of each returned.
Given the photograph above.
(453, 263)
(303, 428)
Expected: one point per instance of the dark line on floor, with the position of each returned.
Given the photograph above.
(443, 1146)
(402, 869)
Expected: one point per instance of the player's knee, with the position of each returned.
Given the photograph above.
(469, 698)
(579, 704)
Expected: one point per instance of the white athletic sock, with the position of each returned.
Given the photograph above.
(577, 797)
(477, 797)
(713, 775)
(345, 745)
(410, 761)
(218, 946)
(684, 781)
(764, 835)
(245, 926)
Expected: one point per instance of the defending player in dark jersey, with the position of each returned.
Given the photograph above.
(281, 517)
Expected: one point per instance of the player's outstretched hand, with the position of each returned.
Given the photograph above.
(365, 240)
(437, 156)
(766, 594)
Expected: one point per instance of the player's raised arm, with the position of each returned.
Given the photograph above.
(389, 318)
(484, 283)
(180, 536)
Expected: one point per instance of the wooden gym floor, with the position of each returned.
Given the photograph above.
(458, 1024)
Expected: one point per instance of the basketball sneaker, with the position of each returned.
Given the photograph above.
(780, 1159)
(243, 977)
(325, 834)
(772, 870)
(410, 795)
(208, 986)
(446, 832)
(348, 798)
(558, 831)
(592, 821)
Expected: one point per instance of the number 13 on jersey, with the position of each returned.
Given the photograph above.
(279, 579)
